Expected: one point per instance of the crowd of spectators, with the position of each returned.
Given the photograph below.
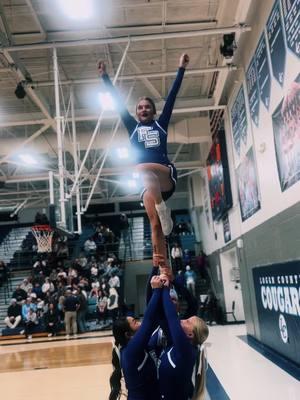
(65, 294)
(62, 294)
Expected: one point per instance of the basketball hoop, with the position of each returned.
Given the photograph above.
(43, 235)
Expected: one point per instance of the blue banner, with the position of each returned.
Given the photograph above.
(239, 120)
(286, 123)
(276, 43)
(253, 91)
(226, 229)
(248, 186)
(235, 128)
(263, 71)
(291, 17)
(277, 292)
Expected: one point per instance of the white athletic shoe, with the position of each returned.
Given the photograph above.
(164, 214)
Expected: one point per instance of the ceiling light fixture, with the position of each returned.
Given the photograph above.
(131, 183)
(122, 153)
(77, 9)
(27, 159)
(106, 101)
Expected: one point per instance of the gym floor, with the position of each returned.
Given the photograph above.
(59, 368)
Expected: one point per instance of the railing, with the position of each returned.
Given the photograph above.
(5, 283)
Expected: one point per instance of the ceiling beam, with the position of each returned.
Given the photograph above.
(28, 140)
(133, 38)
(36, 19)
(83, 115)
(154, 75)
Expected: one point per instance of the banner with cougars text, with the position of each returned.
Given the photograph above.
(277, 292)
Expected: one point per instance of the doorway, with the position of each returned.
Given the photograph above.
(232, 286)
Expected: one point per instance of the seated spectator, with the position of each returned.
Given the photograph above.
(48, 286)
(90, 246)
(72, 276)
(84, 283)
(19, 293)
(95, 290)
(37, 291)
(31, 320)
(61, 273)
(26, 285)
(28, 305)
(40, 308)
(94, 271)
(51, 320)
(76, 265)
(83, 260)
(14, 314)
(104, 285)
(53, 275)
(190, 279)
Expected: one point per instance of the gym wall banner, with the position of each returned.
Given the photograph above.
(277, 292)
(286, 129)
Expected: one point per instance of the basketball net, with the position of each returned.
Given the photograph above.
(43, 235)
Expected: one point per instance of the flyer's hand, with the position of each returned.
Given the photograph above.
(101, 68)
(184, 60)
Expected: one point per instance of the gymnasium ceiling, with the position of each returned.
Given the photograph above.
(158, 32)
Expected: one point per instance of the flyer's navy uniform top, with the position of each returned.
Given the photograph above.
(149, 140)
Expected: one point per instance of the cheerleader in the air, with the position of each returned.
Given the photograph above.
(148, 138)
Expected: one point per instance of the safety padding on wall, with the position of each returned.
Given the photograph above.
(277, 291)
